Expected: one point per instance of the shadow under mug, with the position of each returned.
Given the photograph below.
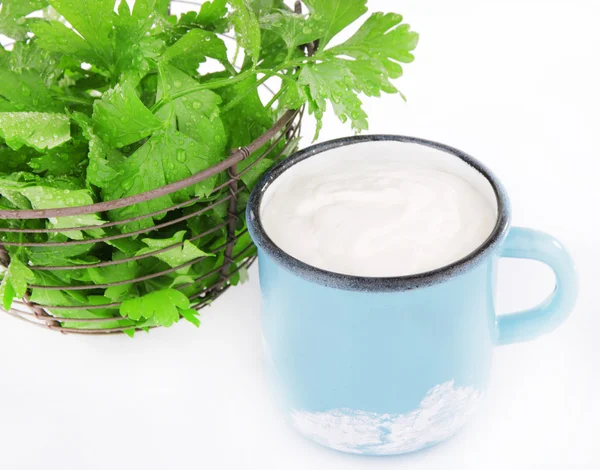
(385, 366)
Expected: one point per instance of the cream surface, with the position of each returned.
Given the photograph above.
(379, 210)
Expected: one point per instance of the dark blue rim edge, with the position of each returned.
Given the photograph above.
(375, 284)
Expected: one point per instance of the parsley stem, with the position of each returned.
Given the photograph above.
(239, 98)
(232, 80)
(204, 86)
(298, 62)
(230, 68)
(163, 81)
(276, 96)
(237, 52)
(285, 78)
(74, 100)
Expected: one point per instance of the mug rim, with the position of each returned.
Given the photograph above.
(375, 284)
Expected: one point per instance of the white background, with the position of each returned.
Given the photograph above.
(513, 82)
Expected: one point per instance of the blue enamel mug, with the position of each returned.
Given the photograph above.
(392, 365)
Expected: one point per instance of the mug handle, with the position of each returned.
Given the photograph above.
(528, 324)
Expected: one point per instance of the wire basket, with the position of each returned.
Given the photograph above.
(237, 252)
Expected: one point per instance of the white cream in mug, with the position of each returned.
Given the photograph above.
(379, 209)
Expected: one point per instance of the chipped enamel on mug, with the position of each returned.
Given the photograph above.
(392, 365)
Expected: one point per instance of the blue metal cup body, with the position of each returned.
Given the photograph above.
(385, 366)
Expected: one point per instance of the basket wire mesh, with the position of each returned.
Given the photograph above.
(280, 138)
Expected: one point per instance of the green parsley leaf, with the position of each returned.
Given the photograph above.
(38, 130)
(191, 315)
(262, 8)
(118, 293)
(327, 81)
(43, 197)
(29, 57)
(251, 177)
(120, 117)
(176, 256)
(164, 306)
(63, 161)
(193, 48)
(249, 118)
(12, 16)
(162, 7)
(116, 273)
(247, 28)
(14, 284)
(212, 16)
(381, 42)
(102, 158)
(72, 299)
(94, 314)
(59, 255)
(168, 156)
(138, 21)
(195, 114)
(292, 97)
(374, 52)
(93, 21)
(293, 28)
(54, 36)
(11, 160)
(132, 46)
(11, 190)
(335, 15)
(103, 163)
(25, 91)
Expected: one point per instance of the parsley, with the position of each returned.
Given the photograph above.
(176, 256)
(101, 100)
(15, 282)
(40, 131)
(163, 306)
